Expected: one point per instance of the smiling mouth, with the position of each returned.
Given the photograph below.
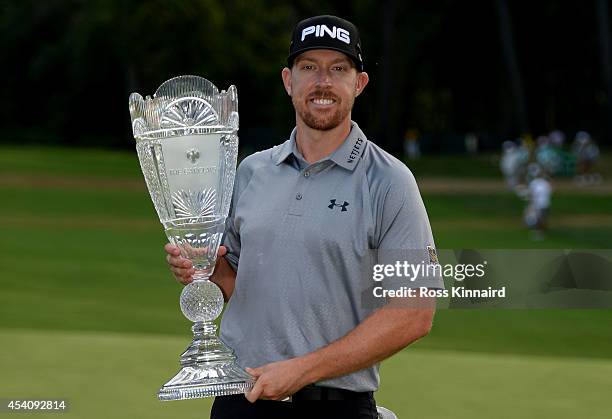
(322, 101)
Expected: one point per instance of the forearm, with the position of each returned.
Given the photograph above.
(379, 336)
(225, 277)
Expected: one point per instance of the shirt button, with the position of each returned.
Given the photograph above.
(298, 196)
(306, 174)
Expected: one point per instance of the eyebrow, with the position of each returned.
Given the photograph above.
(336, 61)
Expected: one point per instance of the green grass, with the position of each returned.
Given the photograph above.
(117, 204)
(105, 375)
(34, 160)
(88, 308)
(98, 162)
(99, 375)
(452, 384)
(484, 165)
(502, 204)
(456, 165)
(514, 236)
(562, 333)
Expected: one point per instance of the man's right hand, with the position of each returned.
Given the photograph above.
(181, 267)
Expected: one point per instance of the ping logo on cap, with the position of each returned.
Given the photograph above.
(322, 30)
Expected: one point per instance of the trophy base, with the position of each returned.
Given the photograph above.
(209, 369)
(200, 381)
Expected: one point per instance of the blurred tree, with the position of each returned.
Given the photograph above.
(397, 41)
(384, 129)
(443, 68)
(85, 57)
(603, 26)
(512, 66)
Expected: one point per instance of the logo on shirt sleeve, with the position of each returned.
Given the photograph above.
(433, 255)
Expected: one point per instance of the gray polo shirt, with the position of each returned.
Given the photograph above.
(298, 234)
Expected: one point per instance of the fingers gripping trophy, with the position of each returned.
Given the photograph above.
(187, 144)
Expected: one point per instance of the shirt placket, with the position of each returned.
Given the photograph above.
(302, 188)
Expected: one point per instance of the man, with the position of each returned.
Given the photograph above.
(510, 164)
(539, 194)
(304, 216)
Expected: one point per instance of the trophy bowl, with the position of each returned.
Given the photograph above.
(187, 145)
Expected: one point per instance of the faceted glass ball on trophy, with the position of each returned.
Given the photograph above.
(187, 144)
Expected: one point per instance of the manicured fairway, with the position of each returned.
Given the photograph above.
(101, 375)
(89, 311)
(104, 375)
(452, 384)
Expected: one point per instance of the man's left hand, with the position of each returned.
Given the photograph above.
(277, 380)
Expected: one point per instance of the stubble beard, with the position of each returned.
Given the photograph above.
(325, 122)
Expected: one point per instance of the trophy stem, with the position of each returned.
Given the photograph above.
(209, 369)
(202, 275)
(208, 366)
(206, 346)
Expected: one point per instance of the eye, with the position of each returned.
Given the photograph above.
(308, 67)
(339, 68)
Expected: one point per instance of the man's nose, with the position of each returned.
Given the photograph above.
(323, 78)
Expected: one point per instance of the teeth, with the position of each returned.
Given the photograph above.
(323, 101)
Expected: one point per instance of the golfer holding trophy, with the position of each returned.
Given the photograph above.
(304, 217)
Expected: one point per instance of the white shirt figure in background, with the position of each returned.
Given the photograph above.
(540, 191)
(510, 164)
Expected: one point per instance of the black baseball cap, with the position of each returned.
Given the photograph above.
(326, 32)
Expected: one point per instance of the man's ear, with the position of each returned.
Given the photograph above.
(286, 75)
(362, 82)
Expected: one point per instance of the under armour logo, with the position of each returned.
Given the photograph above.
(193, 155)
(333, 204)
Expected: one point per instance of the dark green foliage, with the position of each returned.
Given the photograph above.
(437, 67)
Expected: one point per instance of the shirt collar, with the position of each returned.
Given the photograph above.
(285, 149)
(349, 153)
(346, 156)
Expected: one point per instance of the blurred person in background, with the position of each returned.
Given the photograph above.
(471, 143)
(513, 164)
(557, 139)
(412, 149)
(547, 156)
(525, 149)
(510, 164)
(586, 153)
(526, 144)
(562, 159)
(539, 193)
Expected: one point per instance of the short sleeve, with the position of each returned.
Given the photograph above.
(405, 238)
(231, 237)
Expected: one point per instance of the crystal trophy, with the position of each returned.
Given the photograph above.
(187, 144)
